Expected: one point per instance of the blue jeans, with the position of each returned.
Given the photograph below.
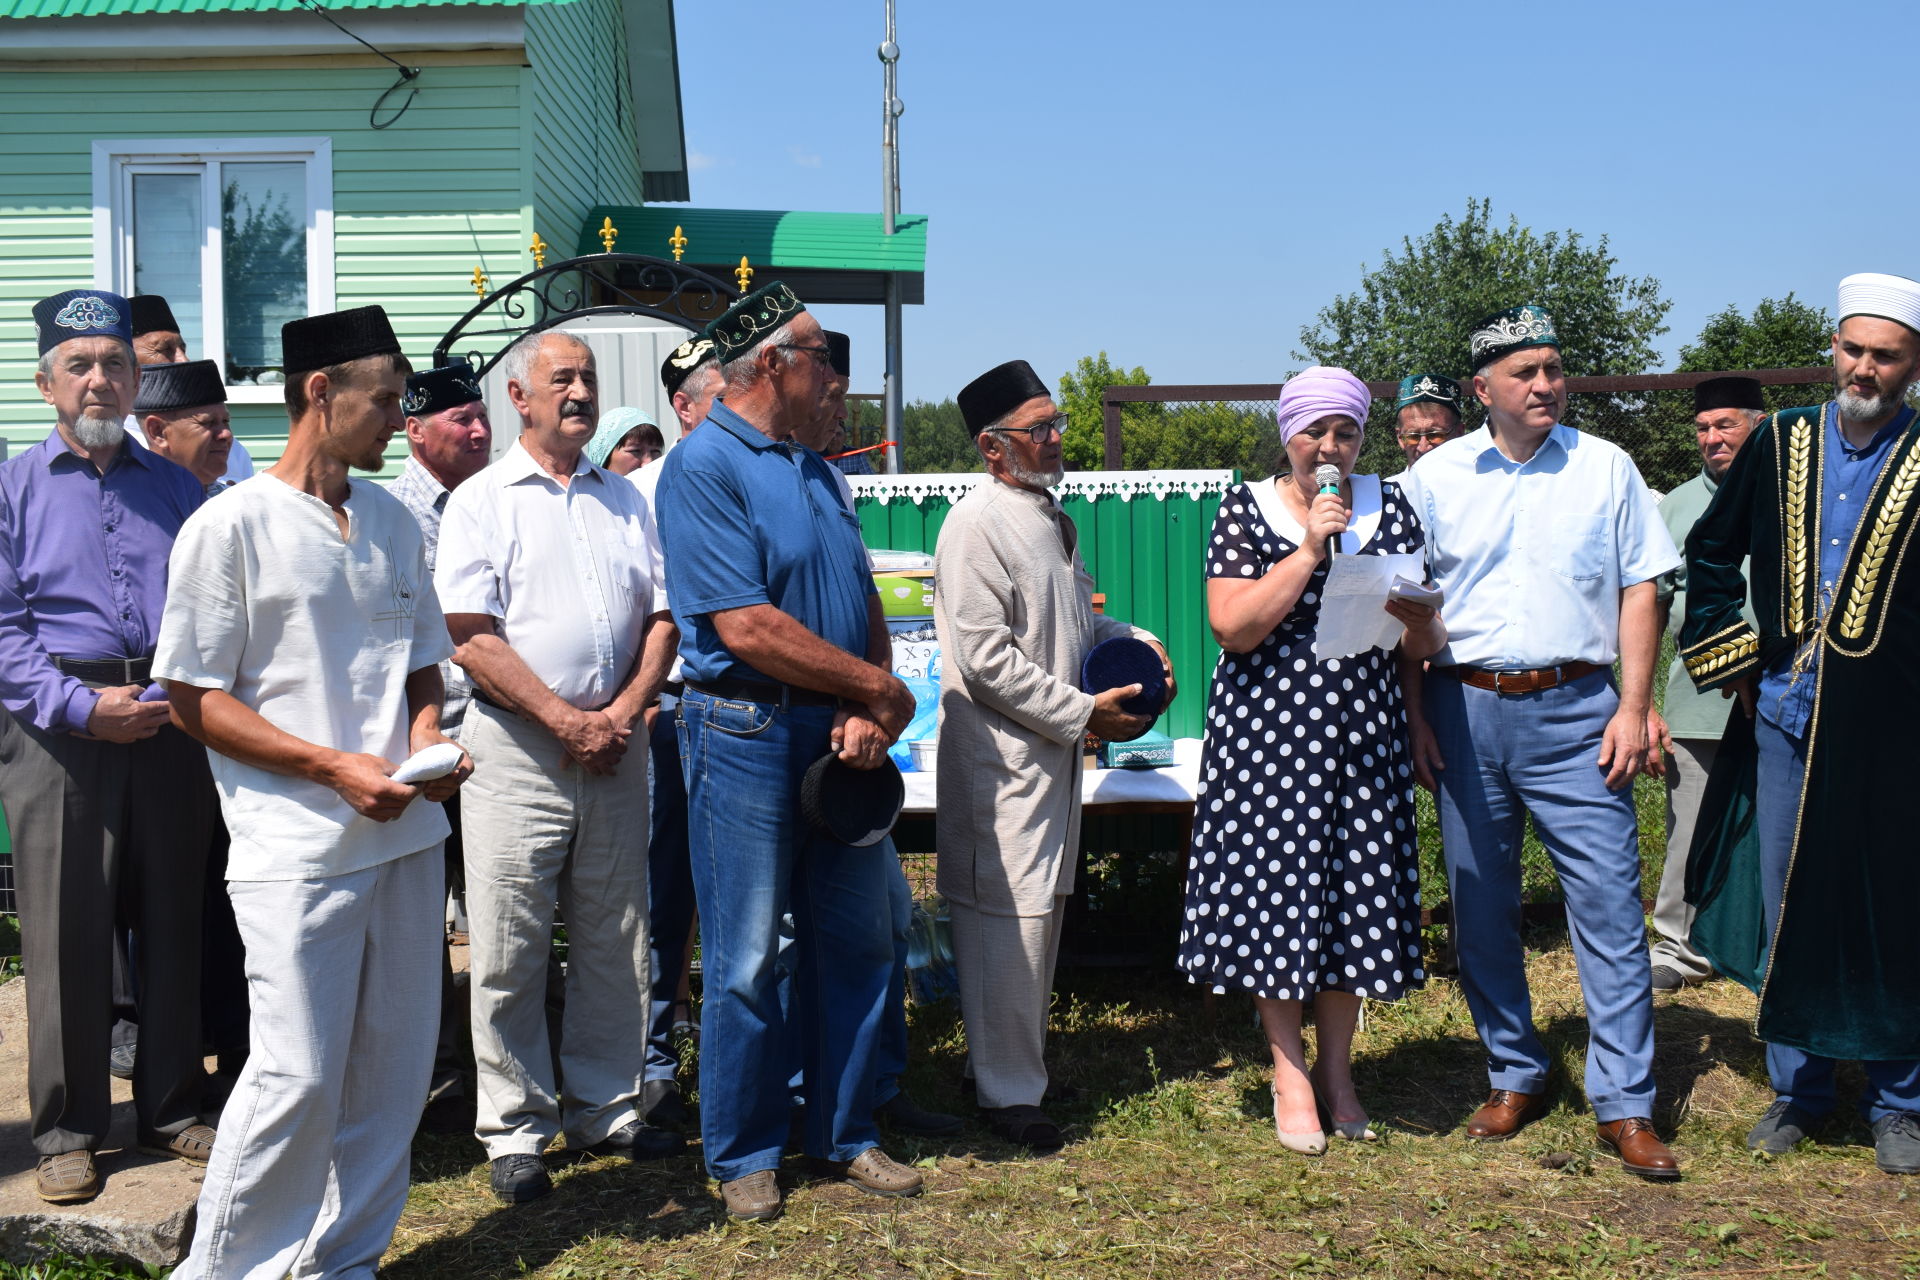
(1802, 1078)
(754, 859)
(1537, 753)
(669, 893)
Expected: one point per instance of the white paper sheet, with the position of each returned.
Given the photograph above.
(1353, 604)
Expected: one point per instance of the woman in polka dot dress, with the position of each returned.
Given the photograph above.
(1304, 882)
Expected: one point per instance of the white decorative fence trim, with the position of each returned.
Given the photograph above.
(1125, 485)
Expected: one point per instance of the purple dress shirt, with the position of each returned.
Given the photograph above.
(83, 569)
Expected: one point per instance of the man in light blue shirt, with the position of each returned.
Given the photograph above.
(1547, 543)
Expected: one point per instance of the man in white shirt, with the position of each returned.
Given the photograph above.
(551, 578)
(301, 643)
(1547, 544)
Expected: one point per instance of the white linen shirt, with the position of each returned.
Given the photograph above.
(1533, 556)
(572, 572)
(317, 634)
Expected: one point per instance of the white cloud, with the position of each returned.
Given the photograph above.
(805, 159)
(698, 160)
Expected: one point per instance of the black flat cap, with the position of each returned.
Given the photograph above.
(187, 385)
(998, 392)
(1121, 661)
(151, 314)
(320, 342)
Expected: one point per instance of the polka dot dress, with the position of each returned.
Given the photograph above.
(1303, 876)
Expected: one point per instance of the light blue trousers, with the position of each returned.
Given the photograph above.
(1538, 753)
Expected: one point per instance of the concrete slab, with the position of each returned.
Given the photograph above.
(144, 1212)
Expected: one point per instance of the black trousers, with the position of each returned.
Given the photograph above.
(97, 825)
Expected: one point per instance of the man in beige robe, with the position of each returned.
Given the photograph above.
(1013, 604)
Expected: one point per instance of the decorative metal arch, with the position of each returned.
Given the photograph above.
(599, 284)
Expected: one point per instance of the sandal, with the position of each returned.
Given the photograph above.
(685, 1025)
(194, 1144)
(1026, 1126)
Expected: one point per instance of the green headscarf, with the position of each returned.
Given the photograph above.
(614, 425)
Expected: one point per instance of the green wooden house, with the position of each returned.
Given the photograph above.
(254, 160)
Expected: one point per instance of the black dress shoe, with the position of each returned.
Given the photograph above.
(662, 1106)
(639, 1141)
(903, 1115)
(519, 1178)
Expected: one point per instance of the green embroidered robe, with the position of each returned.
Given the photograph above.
(1843, 976)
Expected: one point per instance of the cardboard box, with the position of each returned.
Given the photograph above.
(1151, 750)
(906, 593)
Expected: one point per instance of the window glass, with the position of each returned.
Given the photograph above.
(263, 269)
(168, 230)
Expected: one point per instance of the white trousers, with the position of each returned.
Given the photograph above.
(1006, 991)
(309, 1174)
(537, 836)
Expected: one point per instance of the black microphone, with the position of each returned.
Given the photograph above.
(1327, 477)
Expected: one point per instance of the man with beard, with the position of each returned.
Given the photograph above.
(552, 583)
(1823, 501)
(786, 661)
(1013, 604)
(111, 808)
(1690, 723)
(449, 437)
(157, 340)
(301, 643)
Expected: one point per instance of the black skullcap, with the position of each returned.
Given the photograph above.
(80, 313)
(1514, 329)
(839, 352)
(1121, 661)
(856, 807)
(1728, 393)
(748, 322)
(998, 392)
(683, 360)
(432, 390)
(320, 342)
(187, 385)
(151, 314)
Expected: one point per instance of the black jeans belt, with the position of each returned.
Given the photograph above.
(480, 696)
(761, 691)
(674, 688)
(109, 671)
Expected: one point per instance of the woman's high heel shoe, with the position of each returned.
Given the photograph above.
(1360, 1130)
(1313, 1143)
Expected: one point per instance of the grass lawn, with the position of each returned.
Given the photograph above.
(1172, 1169)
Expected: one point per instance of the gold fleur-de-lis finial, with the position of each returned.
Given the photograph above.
(744, 274)
(679, 242)
(479, 282)
(608, 234)
(539, 248)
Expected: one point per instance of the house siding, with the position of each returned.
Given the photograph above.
(583, 145)
(416, 206)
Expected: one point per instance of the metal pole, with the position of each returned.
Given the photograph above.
(890, 110)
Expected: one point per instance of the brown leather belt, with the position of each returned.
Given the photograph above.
(1514, 683)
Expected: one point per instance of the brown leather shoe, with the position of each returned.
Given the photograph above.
(755, 1197)
(1505, 1113)
(194, 1144)
(1640, 1149)
(877, 1173)
(66, 1178)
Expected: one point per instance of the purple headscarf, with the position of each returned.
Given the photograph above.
(1314, 393)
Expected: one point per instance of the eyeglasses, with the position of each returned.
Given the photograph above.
(1426, 437)
(1040, 432)
(824, 354)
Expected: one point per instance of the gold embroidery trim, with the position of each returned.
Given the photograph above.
(1873, 554)
(1731, 653)
(1799, 443)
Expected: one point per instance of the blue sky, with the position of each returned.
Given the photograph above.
(1185, 186)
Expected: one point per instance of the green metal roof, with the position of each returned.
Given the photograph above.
(115, 8)
(844, 257)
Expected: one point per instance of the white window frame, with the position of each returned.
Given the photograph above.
(116, 160)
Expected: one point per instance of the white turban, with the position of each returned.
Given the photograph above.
(1872, 293)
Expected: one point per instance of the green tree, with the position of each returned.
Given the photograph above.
(934, 438)
(1782, 334)
(1085, 444)
(1415, 310)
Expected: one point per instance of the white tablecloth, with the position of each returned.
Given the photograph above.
(1177, 784)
